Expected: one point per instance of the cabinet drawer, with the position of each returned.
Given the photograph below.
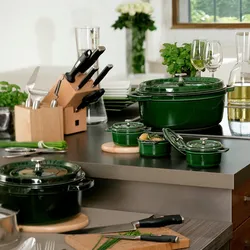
(241, 237)
(241, 204)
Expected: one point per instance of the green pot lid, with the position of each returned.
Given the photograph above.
(176, 140)
(181, 86)
(204, 145)
(126, 127)
(40, 172)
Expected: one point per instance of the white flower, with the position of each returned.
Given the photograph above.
(147, 8)
(138, 7)
(133, 8)
(124, 8)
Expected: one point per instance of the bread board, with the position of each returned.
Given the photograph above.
(110, 147)
(75, 223)
(88, 241)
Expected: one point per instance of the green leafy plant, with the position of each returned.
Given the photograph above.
(136, 17)
(177, 59)
(11, 95)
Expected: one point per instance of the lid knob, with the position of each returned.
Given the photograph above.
(38, 167)
(203, 140)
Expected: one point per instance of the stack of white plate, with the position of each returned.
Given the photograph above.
(116, 94)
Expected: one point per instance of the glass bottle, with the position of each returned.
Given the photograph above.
(239, 98)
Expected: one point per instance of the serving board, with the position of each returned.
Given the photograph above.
(88, 241)
(77, 222)
(110, 147)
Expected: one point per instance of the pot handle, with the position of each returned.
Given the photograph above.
(222, 150)
(83, 185)
(230, 88)
(136, 97)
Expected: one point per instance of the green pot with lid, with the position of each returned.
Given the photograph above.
(126, 133)
(202, 153)
(181, 103)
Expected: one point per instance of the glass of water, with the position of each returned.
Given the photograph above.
(87, 38)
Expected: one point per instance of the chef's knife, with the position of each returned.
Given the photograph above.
(95, 55)
(70, 76)
(87, 77)
(53, 103)
(146, 237)
(90, 98)
(132, 226)
(102, 74)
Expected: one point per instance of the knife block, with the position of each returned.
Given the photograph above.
(43, 124)
(69, 98)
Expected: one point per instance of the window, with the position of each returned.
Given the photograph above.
(211, 13)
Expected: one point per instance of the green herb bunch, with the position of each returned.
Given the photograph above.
(177, 59)
(11, 95)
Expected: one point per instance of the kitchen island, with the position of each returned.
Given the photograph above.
(128, 182)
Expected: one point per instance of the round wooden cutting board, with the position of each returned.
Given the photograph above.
(110, 147)
(78, 222)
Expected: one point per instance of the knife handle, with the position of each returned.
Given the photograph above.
(160, 221)
(95, 55)
(87, 78)
(102, 74)
(159, 238)
(70, 76)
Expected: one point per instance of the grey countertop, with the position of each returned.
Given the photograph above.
(85, 149)
(203, 235)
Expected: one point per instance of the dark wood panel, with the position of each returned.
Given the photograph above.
(241, 204)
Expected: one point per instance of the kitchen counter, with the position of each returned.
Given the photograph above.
(203, 235)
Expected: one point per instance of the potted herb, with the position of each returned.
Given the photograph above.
(177, 59)
(10, 95)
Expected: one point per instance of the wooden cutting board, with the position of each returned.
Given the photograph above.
(110, 147)
(88, 241)
(75, 223)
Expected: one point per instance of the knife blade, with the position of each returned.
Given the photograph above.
(87, 78)
(146, 237)
(93, 58)
(90, 98)
(70, 76)
(30, 85)
(102, 74)
(132, 226)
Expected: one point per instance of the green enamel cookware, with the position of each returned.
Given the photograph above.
(126, 133)
(202, 153)
(181, 103)
(43, 191)
(149, 148)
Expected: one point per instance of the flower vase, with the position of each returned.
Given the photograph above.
(135, 51)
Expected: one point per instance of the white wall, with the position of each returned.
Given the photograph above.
(42, 32)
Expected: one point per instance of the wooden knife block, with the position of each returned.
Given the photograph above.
(43, 124)
(69, 99)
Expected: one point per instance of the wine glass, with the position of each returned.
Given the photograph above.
(197, 54)
(213, 56)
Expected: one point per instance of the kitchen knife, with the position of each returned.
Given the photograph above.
(95, 55)
(70, 76)
(146, 237)
(53, 103)
(102, 74)
(87, 77)
(90, 98)
(132, 226)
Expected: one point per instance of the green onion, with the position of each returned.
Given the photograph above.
(60, 145)
(109, 243)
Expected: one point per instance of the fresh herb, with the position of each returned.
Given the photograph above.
(59, 145)
(11, 95)
(109, 243)
(177, 59)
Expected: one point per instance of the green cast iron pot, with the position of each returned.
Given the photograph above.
(202, 153)
(154, 148)
(198, 103)
(203, 159)
(126, 133)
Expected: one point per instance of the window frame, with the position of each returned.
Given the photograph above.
(177, 25)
